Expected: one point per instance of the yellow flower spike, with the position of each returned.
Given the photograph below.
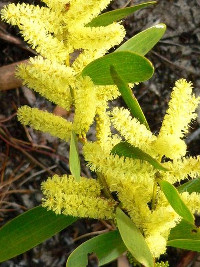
(103, 132)
(175, 125)
(45, 122)
(157, 244)
(106, 93)
(58, 6)
(181, 110)
(81, 199)
(133, 131)
(50, 79)
(192, 201)
(85, 105)
(35, 27)
(82, 13)
(115, 169)
(68, 185)
(96, 37)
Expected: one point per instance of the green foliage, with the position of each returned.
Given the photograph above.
(144, 41)
(175, 200)
(128, 97)
(132, 68)
(106, 246)
(127, 150)
(30, 229)
(133, 239)
(185, 236)
(116, 15)
(74, 162)
(190, 186)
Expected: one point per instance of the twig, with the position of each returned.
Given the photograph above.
(35, 174)
(193, 136)
(7, 76)
(175, 66)
(91, 234)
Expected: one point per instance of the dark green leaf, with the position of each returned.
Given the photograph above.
(30, 229)
(144, 41)
(116, 15)
(133, 239)
(74, 162)
(107, 247)
(185, 236)
(188, 244)
(127, 150)
(175, 201)
(190, 186)
(128, 97)
(131, 67)
(184, 230)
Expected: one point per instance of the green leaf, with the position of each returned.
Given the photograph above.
(185, 236)
(175, 200)
(144, 41)
(74, 162)
(30, 229)
(190, 186)
(188, 244)
(107, 247)
(133, 239)
(116, 15)
(184, 230)
(128, 97)
(127, 150)
(132, 68)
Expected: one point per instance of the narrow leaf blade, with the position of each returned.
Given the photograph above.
(144, 41)
(107, 247)
(30, 229)
(116, 15)
(131, 66)
(188, 244)
(190, 186)
(175, 201)
(74, 162)
(184, 230)
(127, 150)
(185, 236)
(133, 239)
(128, 97)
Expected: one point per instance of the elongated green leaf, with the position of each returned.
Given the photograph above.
(188, 244)
(175, 201)
(116, 15)
(74, 162)
(107, 247)
(132, 68)
(128, 97)
(190, 186)
(30, 229)
(184, 230)
(133, 239)
(127, 150)
(144, 41)
(185, 236)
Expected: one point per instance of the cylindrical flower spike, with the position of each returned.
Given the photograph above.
(45, 122)
(65, 195)
(50, 79)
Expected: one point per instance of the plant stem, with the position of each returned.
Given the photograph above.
(105, 186)
(153, 201)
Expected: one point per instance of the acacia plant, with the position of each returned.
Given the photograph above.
(136, 170)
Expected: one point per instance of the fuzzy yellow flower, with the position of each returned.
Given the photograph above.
(65, 195)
